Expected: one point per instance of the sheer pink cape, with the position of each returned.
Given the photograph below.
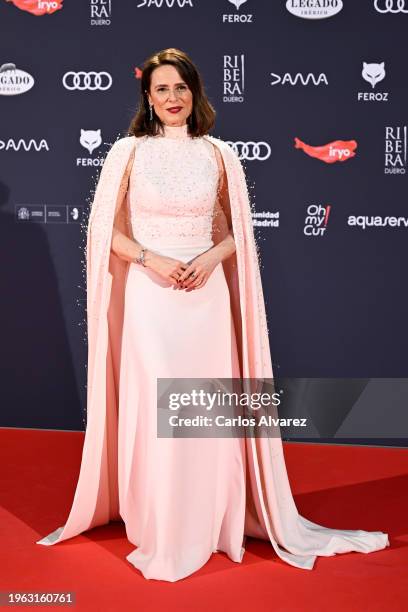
(271, 512)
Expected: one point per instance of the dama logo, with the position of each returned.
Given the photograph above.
(168, 3)
(338, 150)
(299, 79)
(24, 145)
(38, 7)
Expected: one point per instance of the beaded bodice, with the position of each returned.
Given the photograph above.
(173, 189)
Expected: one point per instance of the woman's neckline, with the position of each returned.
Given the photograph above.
(176, 131)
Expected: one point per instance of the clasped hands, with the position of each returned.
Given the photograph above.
(190, 275)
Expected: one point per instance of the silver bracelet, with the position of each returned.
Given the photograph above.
(141, 258)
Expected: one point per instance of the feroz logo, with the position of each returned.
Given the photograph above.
(90, 140)
(395, 150)
(390, 6)
(251, 150)
(237, 3)
(338, 150)
(101, 11)
(373, 73)
(314, 9)
(38, 7)
(87, 81)
(299, 79)
(316, 220)
(234, 78)
(237, 18)
(14, 81)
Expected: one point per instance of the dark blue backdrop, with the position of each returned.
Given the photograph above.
(337, 303)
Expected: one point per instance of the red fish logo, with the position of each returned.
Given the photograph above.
(138, 72)
(38, 7)
(338, 150)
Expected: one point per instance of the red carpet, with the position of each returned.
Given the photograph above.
(337, 486)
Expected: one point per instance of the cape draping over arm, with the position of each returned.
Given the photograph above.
(271, 510)
(96, 496)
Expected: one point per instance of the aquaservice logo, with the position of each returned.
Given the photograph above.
(38, 7)
(338, 150)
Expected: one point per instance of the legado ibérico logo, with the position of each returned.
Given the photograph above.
(314, 9)
(338, 150)
(14, 81)
(38, 7)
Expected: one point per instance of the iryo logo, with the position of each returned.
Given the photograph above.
(38, 7)
(338, 150)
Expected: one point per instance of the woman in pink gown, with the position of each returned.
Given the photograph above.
(182, 499)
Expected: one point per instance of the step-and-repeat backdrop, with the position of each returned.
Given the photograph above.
(312, 95)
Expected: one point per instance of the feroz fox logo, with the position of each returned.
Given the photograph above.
(237, 18)
(237, 3)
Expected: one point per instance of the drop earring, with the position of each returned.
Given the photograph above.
(151, 112)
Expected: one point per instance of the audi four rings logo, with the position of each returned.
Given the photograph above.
(390, 6)
(251, 150)
(87, 80)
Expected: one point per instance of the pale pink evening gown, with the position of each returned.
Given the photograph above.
(180, 499)
(183, 499)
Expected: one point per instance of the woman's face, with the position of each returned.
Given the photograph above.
(167, 91)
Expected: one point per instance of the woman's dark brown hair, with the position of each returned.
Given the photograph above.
(202, 117)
